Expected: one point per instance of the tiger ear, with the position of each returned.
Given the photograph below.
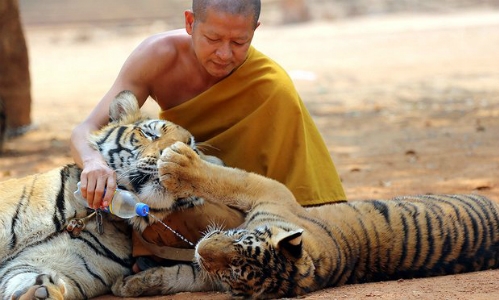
(124, 108)
(290, 241)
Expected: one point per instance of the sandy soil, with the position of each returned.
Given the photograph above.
(406, 103)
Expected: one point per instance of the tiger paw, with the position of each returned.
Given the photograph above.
(180, 169)
(145, 283)
(45, 287)
(161, 281)
(129, 286)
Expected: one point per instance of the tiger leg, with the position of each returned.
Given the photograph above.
(45, 287)
(183, 173)
(161, 281)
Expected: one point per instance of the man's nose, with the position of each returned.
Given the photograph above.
(224, 52)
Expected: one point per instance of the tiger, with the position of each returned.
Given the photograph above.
(41, 256)
(286, 250)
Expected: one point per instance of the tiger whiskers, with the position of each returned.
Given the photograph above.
(211, 228)
(203, 145)
(128, 174)
(123, 173)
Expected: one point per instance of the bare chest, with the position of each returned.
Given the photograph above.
(171, 90)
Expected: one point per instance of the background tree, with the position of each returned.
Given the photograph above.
(15, 82)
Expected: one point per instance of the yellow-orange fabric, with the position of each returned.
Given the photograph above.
(255, 120)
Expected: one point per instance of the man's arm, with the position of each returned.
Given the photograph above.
(97, 176)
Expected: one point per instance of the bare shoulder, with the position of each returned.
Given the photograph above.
(154, 55)
(165, 44)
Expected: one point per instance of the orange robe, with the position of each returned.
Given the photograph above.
(255, 120)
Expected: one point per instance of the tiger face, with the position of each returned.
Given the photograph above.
(131, 144)
(253, 263)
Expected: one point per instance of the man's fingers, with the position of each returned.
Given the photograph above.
(110, 190)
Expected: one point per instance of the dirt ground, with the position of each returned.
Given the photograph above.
(406, 103)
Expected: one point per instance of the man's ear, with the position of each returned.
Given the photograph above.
(257, 24)
(189, 21)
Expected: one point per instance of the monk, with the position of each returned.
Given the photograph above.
(209, 79)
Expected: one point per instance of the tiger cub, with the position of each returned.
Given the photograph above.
(40, 256)
(285, 250)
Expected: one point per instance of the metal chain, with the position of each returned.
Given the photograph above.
(174, 232)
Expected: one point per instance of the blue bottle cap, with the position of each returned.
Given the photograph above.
(142, 209)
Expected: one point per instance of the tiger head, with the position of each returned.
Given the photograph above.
(266, 262)
(131, 144)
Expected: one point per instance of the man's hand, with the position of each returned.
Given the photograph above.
(98, 183)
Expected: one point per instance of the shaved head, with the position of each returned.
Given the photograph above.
(235, 7)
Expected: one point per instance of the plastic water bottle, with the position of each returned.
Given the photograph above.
(124, 204)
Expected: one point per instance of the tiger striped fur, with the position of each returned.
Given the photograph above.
(285, 250)
(39, 258)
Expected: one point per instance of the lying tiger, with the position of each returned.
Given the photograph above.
(281, 250)
(285, 250)
(41, 257)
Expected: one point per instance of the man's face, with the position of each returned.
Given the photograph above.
(222, 41)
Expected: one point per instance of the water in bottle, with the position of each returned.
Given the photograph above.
(124, 204)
